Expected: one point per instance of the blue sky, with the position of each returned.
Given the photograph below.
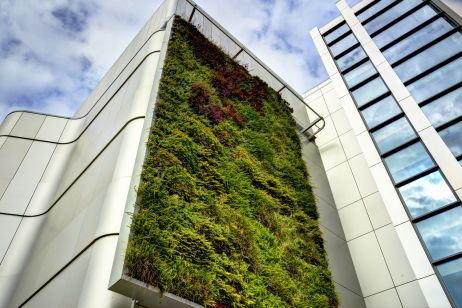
(53, 52)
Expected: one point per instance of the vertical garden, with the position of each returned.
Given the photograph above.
(226, 215)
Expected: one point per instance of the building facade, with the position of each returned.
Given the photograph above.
(68, 185)
(392, 146)
(380, 139)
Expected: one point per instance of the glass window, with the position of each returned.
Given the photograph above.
(453, 138)
(442, 234)
(374, 9)
(408, 162)
(390, 15)
(403, 26)
(426, 194)
(359, 74)
(369, 91)
(393, 135)
(451, 272)
(437, 81)
(336, 33)
(430, 57)
(381, 111)
(351, 58)
(417, 40)
(343, 44)
(445, 108)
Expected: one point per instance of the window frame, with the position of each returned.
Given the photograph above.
(435, 168)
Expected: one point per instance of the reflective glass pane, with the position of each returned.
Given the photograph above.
(374, 9)
(393, 135)
(442, 233)
(336, 33)
(430, 57)
(417, 40)
(381, 111)
(437, 81)
(451, 272)
(408, 162)
(445, 108)
(343, 44)
(426, 194)
(369, 91)
(403, 26)
(351, 58)
(452, 136)
(390, 15)
(359, 74)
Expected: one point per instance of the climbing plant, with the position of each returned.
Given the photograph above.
(226, 215)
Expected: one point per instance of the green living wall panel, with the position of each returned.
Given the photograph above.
(226, 215)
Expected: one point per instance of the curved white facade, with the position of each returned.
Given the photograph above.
(64, 184)
(67, 185)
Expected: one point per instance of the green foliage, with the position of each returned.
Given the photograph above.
(226, 213)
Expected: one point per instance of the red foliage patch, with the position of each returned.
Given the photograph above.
(233, 114)
(207, 52)
(200, 103)
(215, 113)
(199, 98)
(235, 84)
(228, 82)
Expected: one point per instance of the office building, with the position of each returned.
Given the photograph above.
(392, 146)
(379, 138)
(69, 185)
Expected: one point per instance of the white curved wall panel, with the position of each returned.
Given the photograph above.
(28, 125)
(88, 274)
(2, 141)
(51, 129)
(21, 188)
(9, 226)
(64, 184)
(12, 153)
(9, 122)
(17, 257)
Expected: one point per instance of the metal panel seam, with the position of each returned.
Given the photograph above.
(68, 264)
(81, 173)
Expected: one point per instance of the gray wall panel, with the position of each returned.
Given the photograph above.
(51, 129)
(9, 122)
(338, 254)
(28, 125)
(12, 153)
(9, 225)
(18, 194)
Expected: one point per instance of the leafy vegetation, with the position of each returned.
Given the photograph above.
(226, 216)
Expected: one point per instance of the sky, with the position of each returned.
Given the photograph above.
(54, 52)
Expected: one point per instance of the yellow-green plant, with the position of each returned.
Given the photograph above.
(226, 216)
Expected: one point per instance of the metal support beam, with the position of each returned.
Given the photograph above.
(192, 15)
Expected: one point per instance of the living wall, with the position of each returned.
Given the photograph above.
(226, 213)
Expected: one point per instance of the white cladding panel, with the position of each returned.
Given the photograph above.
(402, 279)
(69, 183)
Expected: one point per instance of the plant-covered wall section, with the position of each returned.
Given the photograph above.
(226, 213)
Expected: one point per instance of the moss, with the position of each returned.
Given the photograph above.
(226, 213)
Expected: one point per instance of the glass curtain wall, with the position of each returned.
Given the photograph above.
(428, 59)
(424, 47)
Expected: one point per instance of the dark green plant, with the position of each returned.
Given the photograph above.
(226, 213)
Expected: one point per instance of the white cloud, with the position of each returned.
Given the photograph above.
(277, 31)
(52, 53)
